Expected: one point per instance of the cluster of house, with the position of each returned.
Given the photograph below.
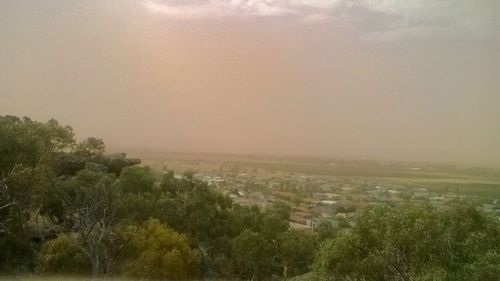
(323, 199)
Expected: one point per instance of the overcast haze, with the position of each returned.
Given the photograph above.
(402, 80)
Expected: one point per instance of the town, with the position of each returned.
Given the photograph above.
(330, 199)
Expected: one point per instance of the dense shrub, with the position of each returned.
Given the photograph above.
(62, 256)
(158, 252)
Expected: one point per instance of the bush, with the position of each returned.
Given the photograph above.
(62, 256)
(158, 252)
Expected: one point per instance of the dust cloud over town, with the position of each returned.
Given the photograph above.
(341, 79)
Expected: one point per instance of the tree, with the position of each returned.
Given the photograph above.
(136, 180)
(91, 147)
(90, 206)
(158, 252)
(412, 243)
(274, 222)
(255, 248)
(340, 259)
(27, 149)
(193, 208)
(245, 217)
(252, 256)
(296, 252)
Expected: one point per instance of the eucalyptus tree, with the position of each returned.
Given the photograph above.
(413, 243)
(27, 150)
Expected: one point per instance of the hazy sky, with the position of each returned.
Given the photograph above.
(388, 79)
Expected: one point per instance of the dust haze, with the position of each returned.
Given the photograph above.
(315, 78)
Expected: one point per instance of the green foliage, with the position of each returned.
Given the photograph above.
(91, 147)
(89, 205)
(265, 246)
(136, 180)
(281, 209)
(296, 252)
(486, 267)
(198, 211)
(27, 149)
(251, 255)
(412, 243)
(96, 205)
(158, 252)
(28, 143)
(325, 230)
(62, 256)
(246, 217)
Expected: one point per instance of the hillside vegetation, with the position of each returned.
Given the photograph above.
(68, 209)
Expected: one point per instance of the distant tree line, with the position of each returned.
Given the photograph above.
(67, 208)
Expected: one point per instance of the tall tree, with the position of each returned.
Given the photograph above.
(27, 150)
(91, 203)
